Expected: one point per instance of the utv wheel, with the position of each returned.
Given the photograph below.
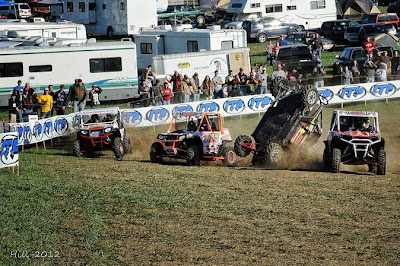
(127, 146)
(193, 155)
(118, 148)
(273, 153)
(239, 148)
(327, 162)
(336, 160)
(309, 96)
(262, 37)
(77, 148)
(280, 84)
(381, 167)
(229, 155)
(200, 19)
(156, 152)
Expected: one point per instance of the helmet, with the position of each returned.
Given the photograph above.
(365, 123)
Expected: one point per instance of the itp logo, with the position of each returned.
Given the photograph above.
(234, 106)
(38, 131)
(352, 93)
(180, 109)
(208, 107)
(157, 115)
(260, 103)
(326, 93)
(383, 90)
(9, 150)
(48, 128)
(132, 117)
(61, 125)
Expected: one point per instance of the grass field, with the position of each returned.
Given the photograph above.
(98, 211)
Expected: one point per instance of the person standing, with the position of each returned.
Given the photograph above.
(61, 100)
(207, 87)
(347, 76)
(157, 93)
(252, 81)
(144, 93)
(369, 46)
(317, 46)
(184, 88)
(52, 94)
(217, 81)
(229, 81)
(27, 107)
(279, 72)
(176, 82)
(270, 52)
(384, 58)
(28, 88)
(78, 96)
(318, 74)
(369, 68)
(46, 102)
(94, 96)
(72, 88)
(395, 64)
(167, 93)
(262, 81)
(13, 107)
(282, 41)
(195, 82)
(355, 70)
(243, 82)
(381, 72)
(293, 77)
(19, 87)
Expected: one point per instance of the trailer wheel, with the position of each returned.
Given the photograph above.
(381, 167)
(336, 160)
(309, 96)
(110, 32)
(262, 37)
(273, 153)
(77, 148)
(156, 152)
(229, 155)
(193, 156)
(239, 148)
(200, 19)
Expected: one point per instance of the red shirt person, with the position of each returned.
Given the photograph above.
(369, 46)
(167, 93)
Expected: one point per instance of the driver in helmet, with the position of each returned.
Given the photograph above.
(191, 125)
(364, 125)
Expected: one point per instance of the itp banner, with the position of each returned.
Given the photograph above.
(9, 149)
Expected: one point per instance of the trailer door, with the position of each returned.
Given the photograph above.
(92, 11)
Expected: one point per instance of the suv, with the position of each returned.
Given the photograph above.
(354, 138)
(335, 29)
(194, 136)
(101, 129)
(295, 56)
(388, 18)
(267, 28)
(183, 12)
(18, 10)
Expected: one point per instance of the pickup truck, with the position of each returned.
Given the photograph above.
(335, 29)
(295, 56)
(182, 14)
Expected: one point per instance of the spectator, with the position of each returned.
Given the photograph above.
(28, 88)
(384, 58)
(94, 96)
(229, 81)
(195, 82)
(72, 89)
(157, 93)
(270, 52)
(282, 41)
(293, 77)
(316, 46)
(27, 107)
(252, 81)
(262, 82)
(355, 70)
(318, 74)
(78, 96)
(207, 88)
(144, 93)
(176, 82)
(369, 68)
(369, 46)
(395, 64)
(35, 102)
(184, 88)
(46, 102)
(243, 82)
(19, 86)
(347, 76)
(52, 94)
(236, 87)
(279, 72)
(306, 39)
(19, 98)
(275, 48)
(61, 100)
(167, 93)
(381, 72)
(217, 81)
(13, 107)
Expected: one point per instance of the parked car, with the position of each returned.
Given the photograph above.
(357, 35)
(184, 13)
(335, 29)
(18, 10)
(382, 18)
(295, 56)
(299, 37)
(267, 28)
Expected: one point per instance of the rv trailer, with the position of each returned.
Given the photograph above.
(178, 39)
(110, 65)
(110, 17)
(309, 14)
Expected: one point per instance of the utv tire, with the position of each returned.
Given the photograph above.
(262, 37)
(200, 19)
(77, 148)
(309, 96)
(336, 160)
(381, 167)
(118, 148)
(239, 148)
(193, 156)
(156, 152)
(127, 146)
(229, 155)
(273, 153)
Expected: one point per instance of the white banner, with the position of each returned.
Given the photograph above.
(9, 149)
(45, 129)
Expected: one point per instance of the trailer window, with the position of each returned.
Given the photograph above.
(226, 45)
(320, 4)
(192, 46)
(81, 7)
(92, 6)
(146, 48)
(43, 68)
(273, 8)
(98, 65)
(122, 6)
(11, 70)
(70, 6)
(291, 7)
(104, 6)
(255, 5)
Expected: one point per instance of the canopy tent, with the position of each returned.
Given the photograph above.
(355, 8)
(384, 39)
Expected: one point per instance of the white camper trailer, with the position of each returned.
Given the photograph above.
(110, 65)
(179, 40)
(39, 28)
(203, 63)
(110, 17)
(306, 13)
